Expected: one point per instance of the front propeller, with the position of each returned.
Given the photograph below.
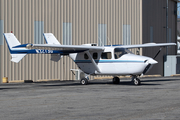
(149, 63)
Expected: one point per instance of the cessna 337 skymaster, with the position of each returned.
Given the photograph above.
(90, 58)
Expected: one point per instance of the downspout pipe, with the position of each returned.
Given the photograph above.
(167, 40)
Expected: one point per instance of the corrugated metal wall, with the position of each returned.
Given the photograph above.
(19, 16)
(154, 29)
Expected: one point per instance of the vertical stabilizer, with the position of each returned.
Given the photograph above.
(50, 38)
(12, 41)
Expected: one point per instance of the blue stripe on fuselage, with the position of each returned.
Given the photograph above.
(42, 51)
(108, 61)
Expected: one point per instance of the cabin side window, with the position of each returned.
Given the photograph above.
(106, 55)
(86, 56)
(95, 55)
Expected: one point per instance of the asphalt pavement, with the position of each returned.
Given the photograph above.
(156, 99)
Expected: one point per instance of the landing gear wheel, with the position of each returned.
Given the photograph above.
(84, 81)
(136, 81)
(116, 80)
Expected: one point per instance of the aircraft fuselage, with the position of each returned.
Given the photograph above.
(112, 61)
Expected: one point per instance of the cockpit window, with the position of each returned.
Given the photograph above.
(118, 52)
(106, 55)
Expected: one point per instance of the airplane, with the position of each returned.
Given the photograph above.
(114, 60)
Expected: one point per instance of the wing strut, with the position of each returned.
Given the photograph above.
(157, 53)
(93, 62)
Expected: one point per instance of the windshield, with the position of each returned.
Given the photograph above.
(118, 52)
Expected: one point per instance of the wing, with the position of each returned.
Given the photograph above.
(60, 47)
(148, 45)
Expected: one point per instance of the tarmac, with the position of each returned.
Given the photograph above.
(155, 99)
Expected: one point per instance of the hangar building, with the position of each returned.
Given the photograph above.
(79, 22)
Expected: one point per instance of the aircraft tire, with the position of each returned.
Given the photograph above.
(84, 81)
(116, 80)
(137, 81)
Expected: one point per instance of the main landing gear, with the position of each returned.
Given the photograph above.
(116, 80)
(84, 81)
(136, 81)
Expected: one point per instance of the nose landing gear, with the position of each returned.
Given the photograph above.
(136, 81)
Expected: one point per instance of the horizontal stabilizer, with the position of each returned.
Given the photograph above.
(17, 57)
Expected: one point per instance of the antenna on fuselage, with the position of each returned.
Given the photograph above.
(101, 41)
(109, 41)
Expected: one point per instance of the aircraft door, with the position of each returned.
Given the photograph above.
(83, 60)
(106, 63)
(120, 64)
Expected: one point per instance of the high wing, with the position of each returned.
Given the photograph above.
(147, 45)
(87, 47)
(60, 47)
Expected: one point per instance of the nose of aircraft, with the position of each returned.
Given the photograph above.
(149, 63)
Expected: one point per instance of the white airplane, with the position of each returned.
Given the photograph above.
(90, 58)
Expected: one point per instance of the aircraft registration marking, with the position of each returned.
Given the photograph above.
(43, 51)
